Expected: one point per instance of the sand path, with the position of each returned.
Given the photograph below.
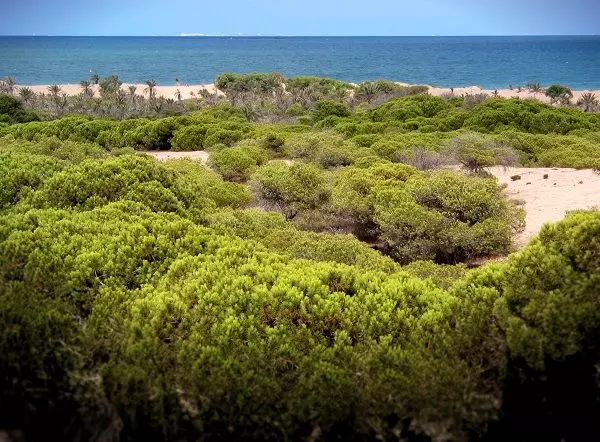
(164, 155)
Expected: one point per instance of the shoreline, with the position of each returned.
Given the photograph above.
(186, 91)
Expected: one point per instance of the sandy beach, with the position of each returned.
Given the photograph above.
(186, 91)
(505, 93)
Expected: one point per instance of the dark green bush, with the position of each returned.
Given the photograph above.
(226, 137)
(327, 108)
(558, 92)
(12, 112)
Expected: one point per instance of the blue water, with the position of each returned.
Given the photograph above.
(491, 62)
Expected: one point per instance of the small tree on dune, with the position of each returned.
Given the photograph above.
(131, 89)
(559, 93)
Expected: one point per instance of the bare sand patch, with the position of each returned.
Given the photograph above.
(163, 155)
(548, 199)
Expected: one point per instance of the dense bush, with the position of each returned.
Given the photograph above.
(189, 138)
(327, 108)
(238, 163)
(475, 152)
(12, 112)
(289, 188)
(442, 216)
(254, 82)
(326, 149)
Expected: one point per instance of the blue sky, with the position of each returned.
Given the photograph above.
(299, 17)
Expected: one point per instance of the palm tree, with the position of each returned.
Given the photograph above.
(86, 86)
(367, 91)
(178, 95)
(8, 84)
(534, 87)
(61, 102)
(26, 94)
(131, 89)
(588, 101)
(151, 85)
(54, 90)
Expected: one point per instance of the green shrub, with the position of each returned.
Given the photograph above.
(199, 187)
(20, 173)
(154, 135)
(322, 87)
(12, 112)
(324, 148)
(402, 109)
(558, 92)
(189, 138)
(226, 137)
(289, 188)
(475, 152)
(328, 108)
(273, 143)
(545, 308)
(237, 163)
(254, 82)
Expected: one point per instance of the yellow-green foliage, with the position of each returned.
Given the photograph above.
(238, 163)
(142, 300)
(277, 234)
(442, 215)
(290, 188)
(326, 149)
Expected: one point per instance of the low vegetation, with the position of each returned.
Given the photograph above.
(313, 283)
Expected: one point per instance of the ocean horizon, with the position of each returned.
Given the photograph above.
(445, 61)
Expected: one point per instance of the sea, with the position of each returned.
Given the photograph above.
(489, 62)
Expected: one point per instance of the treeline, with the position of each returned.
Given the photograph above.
(423, 130)
(141, 300)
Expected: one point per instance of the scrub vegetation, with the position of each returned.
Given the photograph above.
(314, 281)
